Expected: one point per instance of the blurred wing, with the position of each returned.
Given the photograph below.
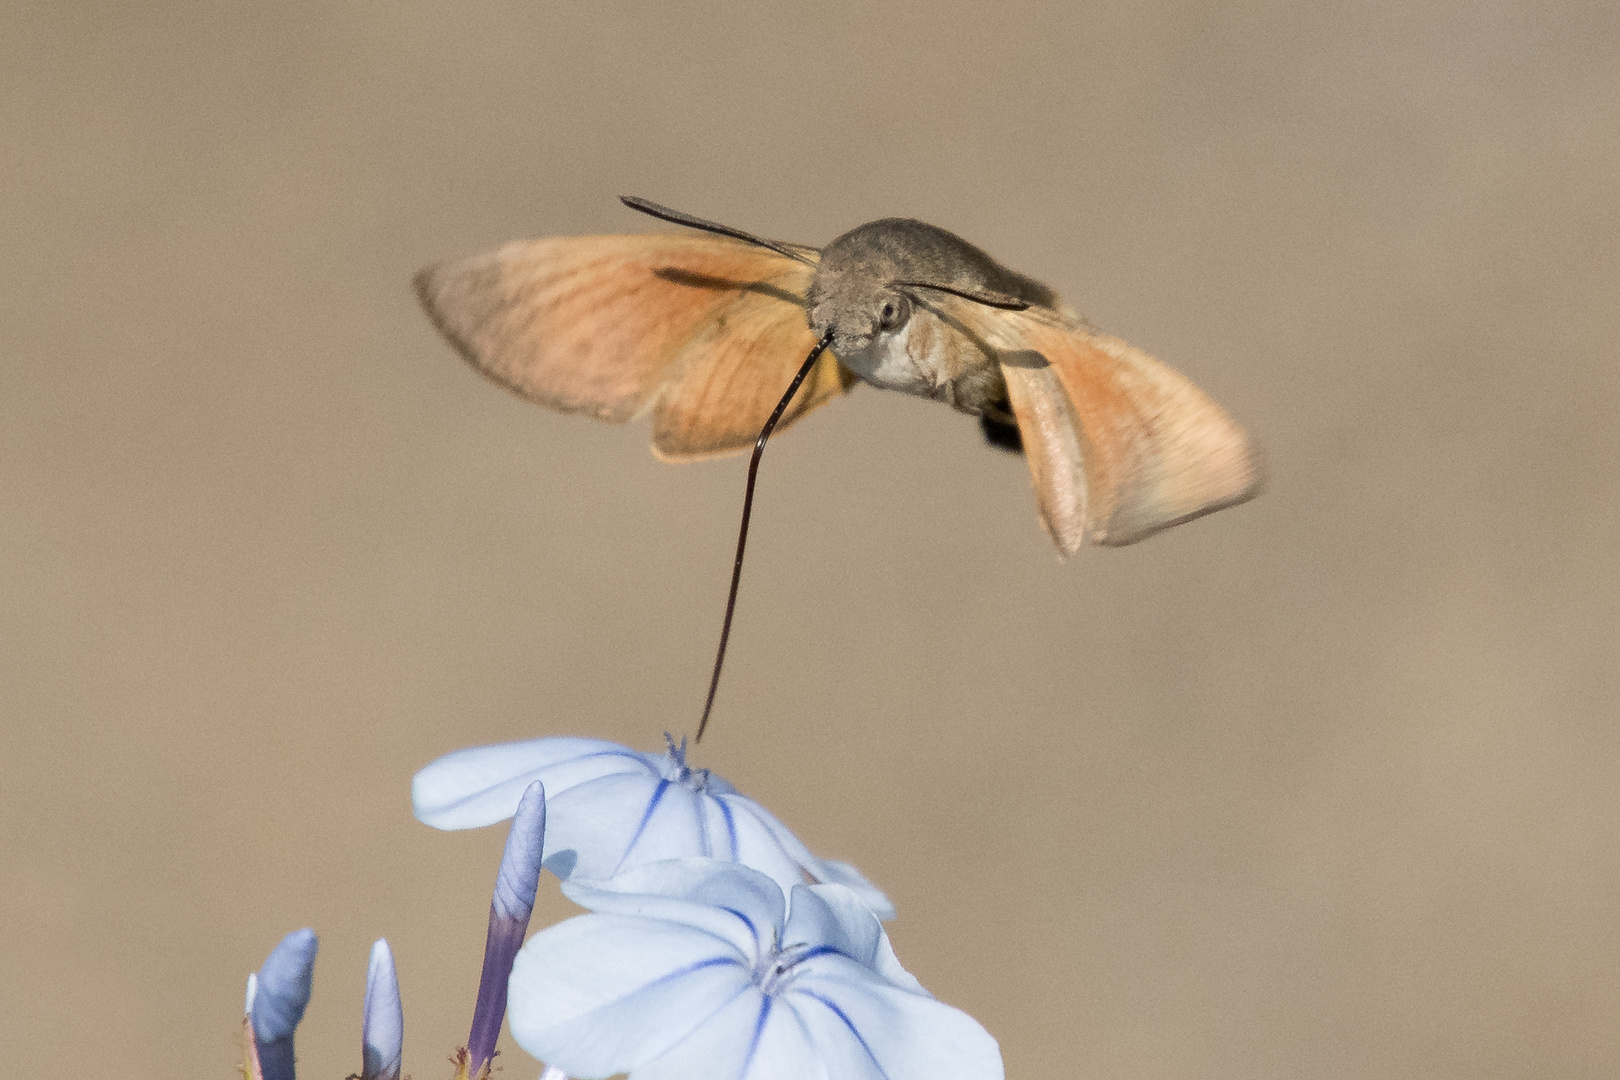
(1051, 438)
(728, 378)
(609, 325)
(1119, 445)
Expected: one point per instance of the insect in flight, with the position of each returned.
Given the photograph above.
(705, 333)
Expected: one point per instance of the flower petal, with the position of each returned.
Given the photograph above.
(749, 840)
(733, 902)
(787, 1050)
(482, 784)
(748, 811)
(834, 872)
(831, 916)
(755, 1037)
(838, 1053)
(853, 1018)
(620, 820)
(602, 994)
(835, 917)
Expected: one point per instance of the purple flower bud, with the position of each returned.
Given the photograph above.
(519, 876)
(382, 1030)
(279, 997)
(509, 912)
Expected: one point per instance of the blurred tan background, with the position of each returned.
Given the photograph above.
(1324, 786)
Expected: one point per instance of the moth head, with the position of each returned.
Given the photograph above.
(870, 281)
(858, 313)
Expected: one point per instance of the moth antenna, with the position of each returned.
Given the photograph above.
(978, 296)
(665, 213)
(748, 507)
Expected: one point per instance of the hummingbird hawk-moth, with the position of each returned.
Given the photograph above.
(704, 332)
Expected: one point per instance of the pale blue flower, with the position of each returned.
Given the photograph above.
(382, 1026)
(611, 808)
(693, 968)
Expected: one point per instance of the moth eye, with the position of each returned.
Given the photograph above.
(895, 311)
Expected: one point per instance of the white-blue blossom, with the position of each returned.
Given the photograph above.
(697, 968)
(610, 808)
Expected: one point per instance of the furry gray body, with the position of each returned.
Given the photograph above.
(914, 350)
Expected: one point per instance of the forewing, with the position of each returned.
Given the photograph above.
(593, 324)
(726, 381)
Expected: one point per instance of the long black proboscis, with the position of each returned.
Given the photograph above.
(664, 213)
(748, 507)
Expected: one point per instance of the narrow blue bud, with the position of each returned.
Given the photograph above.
(519, 876)
(382, 1030)
(279, 997)
(509, 912)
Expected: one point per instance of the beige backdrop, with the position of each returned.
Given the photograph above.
(1325, 786)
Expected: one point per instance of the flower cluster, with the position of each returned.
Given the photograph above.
(715, 944)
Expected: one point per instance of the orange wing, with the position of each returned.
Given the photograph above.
(699, 329)
(1052, 446)
(1119, 445)
(1153, 450)
(725, 382)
